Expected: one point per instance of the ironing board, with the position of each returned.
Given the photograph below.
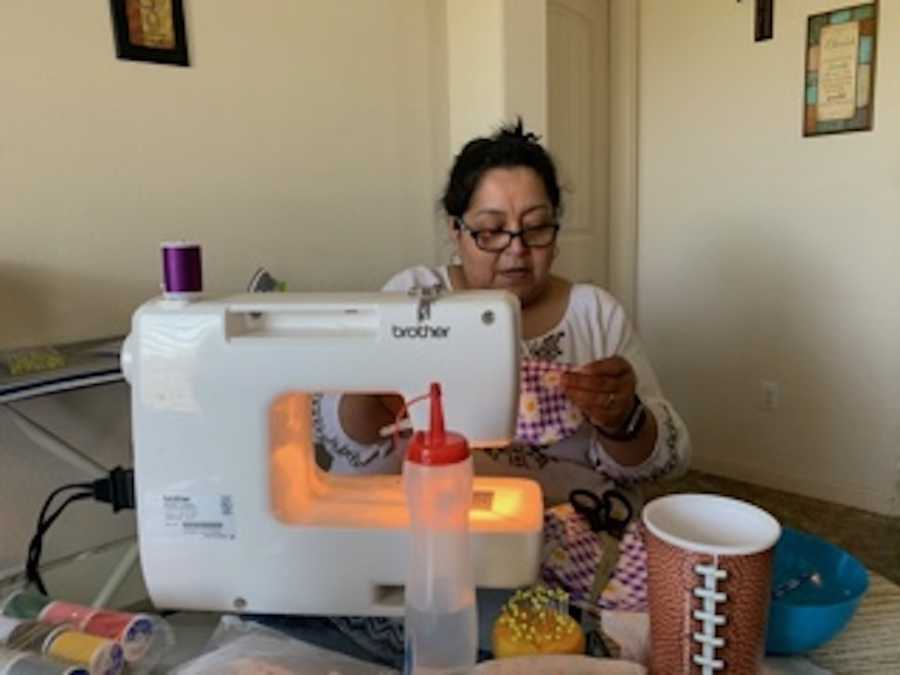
(87, 364)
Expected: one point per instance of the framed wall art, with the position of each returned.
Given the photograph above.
(150, 30)
(840, 70)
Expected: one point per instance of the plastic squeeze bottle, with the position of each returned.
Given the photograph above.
(441, 620)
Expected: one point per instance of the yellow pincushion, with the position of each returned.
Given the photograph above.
(537, 621)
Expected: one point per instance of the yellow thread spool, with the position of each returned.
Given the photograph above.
(101, 656)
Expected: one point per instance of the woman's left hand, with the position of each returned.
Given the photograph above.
(604, 390)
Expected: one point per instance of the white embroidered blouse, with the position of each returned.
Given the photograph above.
(593, 327)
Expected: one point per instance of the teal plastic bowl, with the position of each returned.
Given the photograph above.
(818, 609)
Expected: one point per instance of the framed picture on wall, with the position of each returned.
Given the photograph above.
(840, 70)
(150, 30)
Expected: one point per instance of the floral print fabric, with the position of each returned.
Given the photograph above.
(546, 415)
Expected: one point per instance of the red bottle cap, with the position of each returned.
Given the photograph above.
(437, 446)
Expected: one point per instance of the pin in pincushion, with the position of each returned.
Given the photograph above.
(537, 621)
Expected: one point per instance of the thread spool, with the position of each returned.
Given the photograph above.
(133, 631)
(23, 663)
(182, 270)
(99, 655)
(32, 636)
(58, 613)
(25, 605)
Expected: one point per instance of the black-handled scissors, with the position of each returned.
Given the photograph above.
(599, 511)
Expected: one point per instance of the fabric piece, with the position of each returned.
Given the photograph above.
(546, 415)
(572, 552)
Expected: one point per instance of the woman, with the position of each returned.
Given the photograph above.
(503, 203)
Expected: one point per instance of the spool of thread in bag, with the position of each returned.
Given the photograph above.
(99, 655)
(182, 270)
(23, 663)
(32, 636)
(25, 605)
(58, 613)
(133, 631)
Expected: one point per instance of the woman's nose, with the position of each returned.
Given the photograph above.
(517, 247)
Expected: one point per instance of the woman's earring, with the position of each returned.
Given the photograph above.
(455, 260)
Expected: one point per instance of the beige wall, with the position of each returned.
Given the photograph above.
(301, 135)
(310, 137)
(767, 256)
(497, 66)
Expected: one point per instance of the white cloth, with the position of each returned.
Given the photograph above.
(593, 327)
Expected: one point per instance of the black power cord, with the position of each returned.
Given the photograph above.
(116, 489)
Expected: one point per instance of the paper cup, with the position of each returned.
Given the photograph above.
(709, 560)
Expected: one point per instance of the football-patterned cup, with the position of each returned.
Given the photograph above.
(709, 561)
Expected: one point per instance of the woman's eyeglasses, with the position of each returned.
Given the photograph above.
(495, 240)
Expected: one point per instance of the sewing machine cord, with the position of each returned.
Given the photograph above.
(116, 489)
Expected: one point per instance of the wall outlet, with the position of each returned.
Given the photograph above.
(770, 395)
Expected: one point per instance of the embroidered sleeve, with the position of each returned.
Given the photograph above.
(670, 456)
(349, 456)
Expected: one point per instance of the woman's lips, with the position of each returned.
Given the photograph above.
(516, 273)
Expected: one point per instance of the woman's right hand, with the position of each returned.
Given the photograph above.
(362, 416)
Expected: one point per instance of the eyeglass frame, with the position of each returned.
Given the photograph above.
(512, 234)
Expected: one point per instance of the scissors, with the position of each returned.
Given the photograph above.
(599, 511)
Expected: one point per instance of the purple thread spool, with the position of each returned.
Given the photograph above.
(182, 270)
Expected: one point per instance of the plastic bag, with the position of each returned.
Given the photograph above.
(248, 648)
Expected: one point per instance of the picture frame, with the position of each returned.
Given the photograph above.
(839, 83)
(150, 30)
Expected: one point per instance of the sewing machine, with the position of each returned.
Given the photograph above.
(233, 511)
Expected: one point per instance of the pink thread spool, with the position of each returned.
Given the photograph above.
(182, 270)
(58, 613)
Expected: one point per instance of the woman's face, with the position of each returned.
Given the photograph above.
(507, 199)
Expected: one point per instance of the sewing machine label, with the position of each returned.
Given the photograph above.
(181, 515)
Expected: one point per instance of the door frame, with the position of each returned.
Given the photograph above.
(624, 152)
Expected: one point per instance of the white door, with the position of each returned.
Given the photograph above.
(578, 123)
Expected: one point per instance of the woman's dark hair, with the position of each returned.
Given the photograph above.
(511, 146)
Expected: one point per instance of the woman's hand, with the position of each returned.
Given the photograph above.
(604, 390)
(363, 415)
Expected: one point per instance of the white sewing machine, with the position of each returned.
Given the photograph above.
(234, 513)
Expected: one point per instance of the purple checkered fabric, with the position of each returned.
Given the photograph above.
(546, 415)
(571, 555)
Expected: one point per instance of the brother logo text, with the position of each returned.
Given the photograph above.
(422, 331)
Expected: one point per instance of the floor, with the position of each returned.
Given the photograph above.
(872, 538)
